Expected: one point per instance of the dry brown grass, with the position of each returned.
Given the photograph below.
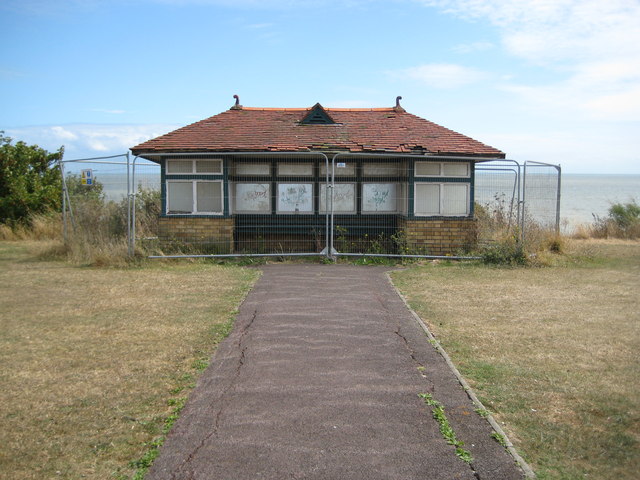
(90, 357)
(552, 351)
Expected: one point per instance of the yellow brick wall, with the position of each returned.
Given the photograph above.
(213, 233)
(443, 236)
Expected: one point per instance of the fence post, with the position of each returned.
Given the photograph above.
(64, 201)
(129, 244)
(559, 170)
(524, 205)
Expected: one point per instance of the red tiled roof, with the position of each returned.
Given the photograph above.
(374, 130)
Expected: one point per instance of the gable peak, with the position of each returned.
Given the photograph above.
(317, 116)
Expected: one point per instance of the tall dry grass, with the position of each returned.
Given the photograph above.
(96, 231)
(503, 239)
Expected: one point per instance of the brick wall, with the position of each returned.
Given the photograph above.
(443, 236)
(213, 235)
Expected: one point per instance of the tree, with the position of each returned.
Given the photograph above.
(30, 181)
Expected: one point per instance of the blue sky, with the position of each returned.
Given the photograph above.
(555, 81)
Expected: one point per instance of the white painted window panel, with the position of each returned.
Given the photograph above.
(179, 166)
(209, 197)
(455, 200)
(427, 169)
(427, 199)
(379, 198)
(295, 198)
(253, 169)
(209, 166)
(344, 198)
(180, 197)
(295, 169)
(455, 169)
(381, 169)
(252, 198)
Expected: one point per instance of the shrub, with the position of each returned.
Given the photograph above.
(623, 221)
(507, 252)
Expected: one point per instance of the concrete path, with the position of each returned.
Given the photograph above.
(320, 380)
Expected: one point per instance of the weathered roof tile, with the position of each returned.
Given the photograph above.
(373, 130)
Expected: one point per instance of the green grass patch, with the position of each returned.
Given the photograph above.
(551, 352)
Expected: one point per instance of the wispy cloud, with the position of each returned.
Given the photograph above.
(593, 44)
(442, 75)
(86, 140)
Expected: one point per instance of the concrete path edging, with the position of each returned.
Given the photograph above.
(528, 471)
(323, 377)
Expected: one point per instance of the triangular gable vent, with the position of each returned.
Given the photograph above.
(317, 116)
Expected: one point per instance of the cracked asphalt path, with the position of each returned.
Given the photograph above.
(320, 380)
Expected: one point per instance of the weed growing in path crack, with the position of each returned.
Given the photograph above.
(484, 413)
(445, 428)
(499, 438)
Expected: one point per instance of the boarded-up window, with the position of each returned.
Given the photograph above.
(179, 197)
(446, 199)
(381, 169)
(190, 197)
(199, 166)
(252, 198)
(379, 197)
(258, 169)
(295, 169)
(209, 197)
(295, 198)
(344, 198)
(442, 169)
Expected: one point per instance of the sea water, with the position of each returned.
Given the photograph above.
(583, 196)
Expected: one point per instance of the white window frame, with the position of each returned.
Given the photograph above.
(194, 197)
(441, 186)
(441, 166)
(193, 166)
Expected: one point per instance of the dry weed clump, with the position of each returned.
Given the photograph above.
(502, 240)
(623, 221)
(42, 226)
(96, 228)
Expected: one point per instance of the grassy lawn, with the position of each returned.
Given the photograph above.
(94, 360)
(552, 352)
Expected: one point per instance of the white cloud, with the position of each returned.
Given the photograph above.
(63, 134)
(594, 46)
(88, 140)
(442, 75)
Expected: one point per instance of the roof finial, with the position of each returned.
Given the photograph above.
(237, 106)
(398, 108)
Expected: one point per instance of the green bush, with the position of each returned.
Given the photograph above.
(30, 182)
(623, 221)
(625, 216)
(506, 252)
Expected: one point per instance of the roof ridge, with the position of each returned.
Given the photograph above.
(275, 109)
(270, 109)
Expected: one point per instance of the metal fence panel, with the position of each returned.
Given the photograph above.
(310, 204)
